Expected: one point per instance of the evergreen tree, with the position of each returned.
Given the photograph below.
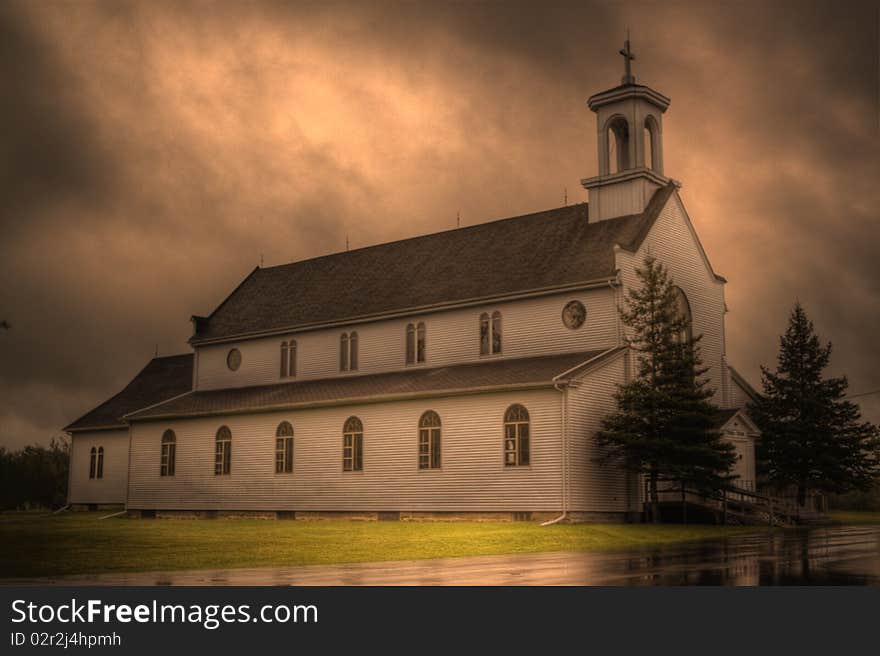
(665, 426)
(811, 437)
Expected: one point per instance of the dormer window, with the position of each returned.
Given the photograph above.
(415, 343)
(288, 359)
(348, 351)
(490, 333)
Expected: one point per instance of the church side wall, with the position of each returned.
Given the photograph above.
(530, 327)
(111, 488)
(674, 245)
(472, 478)
(596, 487)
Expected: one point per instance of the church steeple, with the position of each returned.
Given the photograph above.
(629, 119)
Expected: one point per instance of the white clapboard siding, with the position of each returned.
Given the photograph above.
(743, 438)
(744, 467)
(673, 243)
(529, 327)
(110, 489)
(739, 398)
(595, 487)
(472, 478)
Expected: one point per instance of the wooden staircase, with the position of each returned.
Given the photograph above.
(739, 506)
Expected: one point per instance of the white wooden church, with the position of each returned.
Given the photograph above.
(456, 374)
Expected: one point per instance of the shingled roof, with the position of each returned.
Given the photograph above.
(490, 375)
(162, 379)
(540, 251)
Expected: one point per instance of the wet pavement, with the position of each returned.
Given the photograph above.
(838, 555)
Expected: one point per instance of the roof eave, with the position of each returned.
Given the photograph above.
(602, 281)
(83, 429)
(379, 398)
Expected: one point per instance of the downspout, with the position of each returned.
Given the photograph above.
(564, 392)
(564, 418)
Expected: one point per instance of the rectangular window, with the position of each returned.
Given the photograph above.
(284, 360)
(284, 455)
(291, 361)
(100, 473)
(484, 335)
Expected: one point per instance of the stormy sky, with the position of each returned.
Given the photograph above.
(152, 153)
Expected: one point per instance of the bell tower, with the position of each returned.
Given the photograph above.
(629, 119)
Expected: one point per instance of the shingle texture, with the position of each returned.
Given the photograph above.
(544, 250)
(487, 375)
(162, 379)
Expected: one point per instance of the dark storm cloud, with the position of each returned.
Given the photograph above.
(153, 151)
(49, 151)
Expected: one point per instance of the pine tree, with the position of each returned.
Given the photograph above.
(811, 437)
(665, 426)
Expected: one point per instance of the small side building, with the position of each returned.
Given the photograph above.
(99, 445)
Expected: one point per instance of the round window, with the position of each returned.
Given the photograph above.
(233, 360)
(574, 314)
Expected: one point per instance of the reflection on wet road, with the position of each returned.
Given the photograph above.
(839, 555)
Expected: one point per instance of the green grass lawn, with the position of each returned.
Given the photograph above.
(81, 543)
(854, 517)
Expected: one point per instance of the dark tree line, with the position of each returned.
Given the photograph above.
(34, 477)
(666, 428)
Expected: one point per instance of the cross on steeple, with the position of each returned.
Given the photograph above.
(628, 56)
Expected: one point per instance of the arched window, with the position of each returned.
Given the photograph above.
(284, 448)
(343, 352)
(410, 343)
(617, 136)
(415, 343)
(683, 316)
(353, 351)
(496, 332)
(93, 462)
(348, 351)
(650, 136)
(516, 436)
(100, 472)
(352, 445)
(490, 333)
(420, 342)
(288, 359)
(429, 441)
(223, 451)
(169, 453)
